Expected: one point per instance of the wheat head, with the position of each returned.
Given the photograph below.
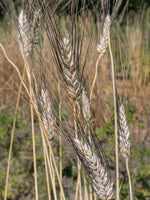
(98, 174)
(69, 71)
(124, 133)
(101, 48)
(24, 29)
(47, 114)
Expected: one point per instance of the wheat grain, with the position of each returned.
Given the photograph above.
(98, 174)
(124, 133)
(69, 70)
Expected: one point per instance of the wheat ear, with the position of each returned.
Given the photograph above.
(101, 48)
(69, 71)
(124, 133)
(24, 39)
(97, 172)
(124, 138)
(47, 114)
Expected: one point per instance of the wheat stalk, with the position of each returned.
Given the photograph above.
(26, 47)
(38, 115)
(115, 117)
(69, 71)
(98, 174)
(12, 134)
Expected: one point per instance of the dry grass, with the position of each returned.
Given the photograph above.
(46, 76)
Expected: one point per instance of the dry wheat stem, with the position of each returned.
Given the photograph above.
(98, 174)
(78, 186)
(40, 120)
(52, 155)
(25, 53)
(46, 170)
(95, 76)
(129, 177)
(115, 116)
(50, 167)
(34, 153)
(12, 134)
(60, 139)
(85, 186)
(15, 67)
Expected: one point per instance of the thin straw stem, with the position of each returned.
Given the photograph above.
(38, 115)
(129, 177)
(78, 187)
(28, 71)
(115, 117)
(34, 153)
(49, 166)
(12, 134)
(46, 170)
(85, 187)
(60, 142)
(95, 76)
(15, 67)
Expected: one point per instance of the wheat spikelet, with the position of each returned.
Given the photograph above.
(98, 174)
(24, 29)
(69, 71)
(86, 105)
(124, 133)
(101, 48)
(47, 114)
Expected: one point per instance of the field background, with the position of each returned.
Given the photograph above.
(131, 50)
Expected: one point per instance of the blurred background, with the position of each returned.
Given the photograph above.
(131, 51)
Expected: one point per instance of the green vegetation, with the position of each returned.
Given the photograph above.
(141, 171)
